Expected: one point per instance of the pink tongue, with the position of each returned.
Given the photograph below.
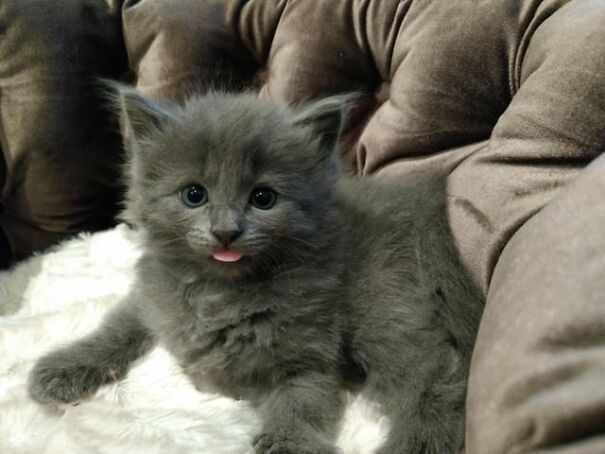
(227, 255)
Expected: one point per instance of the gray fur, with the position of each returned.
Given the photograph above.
(345, 283)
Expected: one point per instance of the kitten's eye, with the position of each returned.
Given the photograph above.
(194, 195)
(263, 198)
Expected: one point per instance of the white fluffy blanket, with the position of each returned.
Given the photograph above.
(57, 297)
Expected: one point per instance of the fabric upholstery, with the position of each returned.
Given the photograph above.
(59, 149)
(507, 95)
(539, 363)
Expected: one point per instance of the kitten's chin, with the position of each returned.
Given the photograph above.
(243, 268)
(234, 264)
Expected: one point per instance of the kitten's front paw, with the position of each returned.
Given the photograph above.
(284, 443)
(54, 380)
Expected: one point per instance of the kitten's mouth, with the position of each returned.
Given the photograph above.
(227, 256)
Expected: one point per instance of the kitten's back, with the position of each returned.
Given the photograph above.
(403, 265)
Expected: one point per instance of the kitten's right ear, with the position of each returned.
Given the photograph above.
(140, 115)
(325, 118)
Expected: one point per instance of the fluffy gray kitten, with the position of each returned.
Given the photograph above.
(272, 277)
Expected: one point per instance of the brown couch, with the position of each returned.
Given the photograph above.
(507, 95)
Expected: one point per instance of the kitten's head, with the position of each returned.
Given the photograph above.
(231, 184)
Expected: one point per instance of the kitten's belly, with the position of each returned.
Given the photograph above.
(235, 366)
(240, 380)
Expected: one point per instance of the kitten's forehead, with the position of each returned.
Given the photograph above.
(241, 139)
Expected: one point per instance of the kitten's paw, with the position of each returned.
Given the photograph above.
(55, 381)
(284, 443)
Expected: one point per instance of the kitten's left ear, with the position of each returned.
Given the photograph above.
(140, 114)
(325, 118)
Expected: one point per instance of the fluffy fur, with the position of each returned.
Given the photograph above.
(343, 283)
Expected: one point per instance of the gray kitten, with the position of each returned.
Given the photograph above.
(272, 277)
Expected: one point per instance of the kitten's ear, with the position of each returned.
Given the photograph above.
(140, 115)
(325, 118)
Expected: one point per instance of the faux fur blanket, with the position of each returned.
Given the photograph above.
(60, 296)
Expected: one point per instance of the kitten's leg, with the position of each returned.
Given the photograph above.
(77, 370)
(426, 407)
(300, 417)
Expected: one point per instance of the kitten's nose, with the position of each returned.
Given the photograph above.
(227, 236)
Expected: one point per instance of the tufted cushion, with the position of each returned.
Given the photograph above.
(507, 95)
(59, 151)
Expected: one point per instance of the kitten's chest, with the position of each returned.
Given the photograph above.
(228, 342)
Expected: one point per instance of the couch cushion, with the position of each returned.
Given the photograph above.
(537, 377)
(551, 129)
(503, 94)
(60, 151)
(175, 51)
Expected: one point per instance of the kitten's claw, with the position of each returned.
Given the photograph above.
(54, 381)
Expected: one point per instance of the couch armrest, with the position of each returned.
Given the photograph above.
(539, 364)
